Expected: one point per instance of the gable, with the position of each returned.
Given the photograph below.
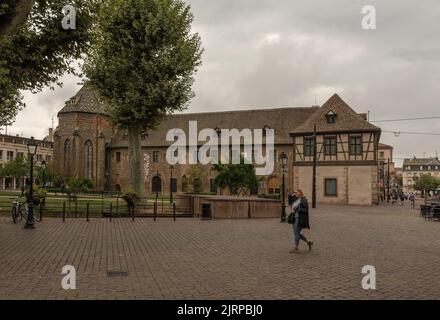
(345, 119)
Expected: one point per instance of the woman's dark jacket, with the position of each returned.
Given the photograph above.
(303, 214)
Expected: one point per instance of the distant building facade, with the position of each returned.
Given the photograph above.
(387, 172)
(13, 146)
(87, 144)
(416, 167)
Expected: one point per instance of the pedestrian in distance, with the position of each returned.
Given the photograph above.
(299, 218)
(412, 198)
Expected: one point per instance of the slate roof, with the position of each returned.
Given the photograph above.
(421, 162)
(282, 120)
(346, 119)
(86, 100)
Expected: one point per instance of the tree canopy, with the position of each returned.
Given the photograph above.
(35, 50)
(238, 178)
(142, 62)
(15, 168)
(427, 182)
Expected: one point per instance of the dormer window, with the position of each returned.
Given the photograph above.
(331, 117)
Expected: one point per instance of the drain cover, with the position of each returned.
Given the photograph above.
(117, 274)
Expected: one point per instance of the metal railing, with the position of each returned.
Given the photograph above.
(87, 208)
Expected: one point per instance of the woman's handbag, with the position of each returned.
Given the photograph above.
(291, 218)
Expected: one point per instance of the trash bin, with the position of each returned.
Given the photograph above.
(206, 211)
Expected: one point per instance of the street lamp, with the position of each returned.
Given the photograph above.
(32, 150)
(23, 181)
(43, 167)
(283, 163)
(171, 184)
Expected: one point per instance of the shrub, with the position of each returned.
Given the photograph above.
(273, 196)
(39, 195)
(80, 184)
(130, 197)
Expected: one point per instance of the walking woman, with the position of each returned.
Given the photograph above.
(300, 212)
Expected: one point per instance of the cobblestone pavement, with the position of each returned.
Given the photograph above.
(225, 259)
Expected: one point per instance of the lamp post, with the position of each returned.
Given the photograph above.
(283, 163)
(171, 184)
(23, 181)
(43, 167)
(32, 150)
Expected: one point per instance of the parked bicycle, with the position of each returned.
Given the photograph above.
(19, 209)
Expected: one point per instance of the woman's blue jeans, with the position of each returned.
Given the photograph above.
(297, 233)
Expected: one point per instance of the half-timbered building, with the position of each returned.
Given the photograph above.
(346, 154)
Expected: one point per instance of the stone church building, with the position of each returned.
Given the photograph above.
(87, 144)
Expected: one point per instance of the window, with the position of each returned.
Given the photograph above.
(118, 157)
(1, 154)
(308, 146)
(67, 153)
(331, 117)
(156, 156)
(156, 184)
(184, 184)
(20, 155)
(197, 186)
(48, 159)
(421, 167)
(381, 154)
(212, 186)
(88, 159)
(173, 185)
(274, 185)
(10, 155)
(331, 188)
(356, 146)
(330, 146)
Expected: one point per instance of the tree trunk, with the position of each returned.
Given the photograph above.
(134, 148)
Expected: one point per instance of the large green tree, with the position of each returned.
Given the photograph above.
(142, 63)
(16, 168)
(426, 183)
(238, 178)
(35, 50)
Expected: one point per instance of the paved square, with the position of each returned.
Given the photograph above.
(225, 259)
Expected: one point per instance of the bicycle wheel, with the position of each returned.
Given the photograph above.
(14, 214)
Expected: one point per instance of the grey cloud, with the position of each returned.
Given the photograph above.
(312, 47)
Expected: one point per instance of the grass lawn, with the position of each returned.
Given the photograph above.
(54, 203)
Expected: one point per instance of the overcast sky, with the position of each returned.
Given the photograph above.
(265, 53)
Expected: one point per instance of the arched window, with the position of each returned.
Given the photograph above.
(67, 155)
(273, 185)
(184, 184)
(88, 159)
(156, 184)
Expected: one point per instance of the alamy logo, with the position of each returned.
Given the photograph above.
(369, 280)
(69, 280)
(228, 142)
(69, 20)
(369, 18)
